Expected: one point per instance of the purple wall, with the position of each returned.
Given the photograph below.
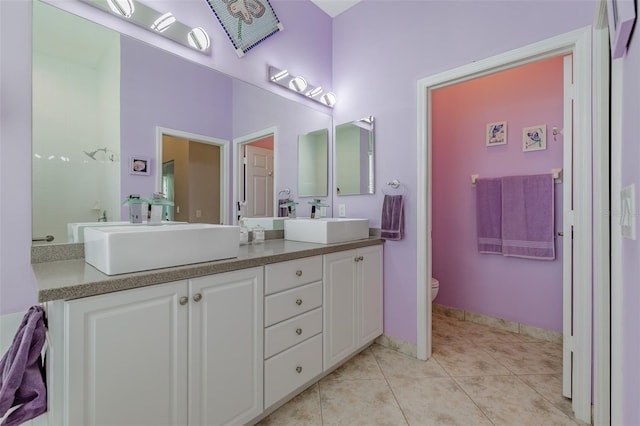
(521, 290)
(380, 50)
(152, 95)
(631, 249)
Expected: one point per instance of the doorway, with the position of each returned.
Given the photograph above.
(579, 44)
(192, 174)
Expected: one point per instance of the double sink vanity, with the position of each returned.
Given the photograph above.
(224, 340)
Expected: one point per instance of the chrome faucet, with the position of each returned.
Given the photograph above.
(314, 206)
(103, 218)
(290, 205)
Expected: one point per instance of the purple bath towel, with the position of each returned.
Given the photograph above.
(527, 217)
(392, 223)
(22, 382)
(489, 215)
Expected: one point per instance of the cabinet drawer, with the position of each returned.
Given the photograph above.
(282, 306)
(292, 368)
(288, 333)
(286, 275)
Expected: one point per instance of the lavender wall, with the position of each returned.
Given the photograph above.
(153, 94)
(521, 290)
(380, 50)
(631, 249)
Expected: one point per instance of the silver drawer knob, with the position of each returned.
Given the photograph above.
(356, 259)
(184, 300)
(197, 297)
(299, 369)
(298, 273)
(298, 302)
(298, 331)
(360, 258)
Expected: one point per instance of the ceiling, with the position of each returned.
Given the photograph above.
(334, 7)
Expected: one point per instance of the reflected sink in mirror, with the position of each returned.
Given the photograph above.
(326, 230)
(121, 249)
(267, 223)
(75, 231)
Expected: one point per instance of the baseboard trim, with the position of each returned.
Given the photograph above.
(399, 345)
(499, 323)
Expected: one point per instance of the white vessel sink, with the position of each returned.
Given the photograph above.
(121, 249)
(75, 231)
(326, 230)
(267, 223)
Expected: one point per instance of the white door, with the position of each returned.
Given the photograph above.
(340, 304)
(369, 267)
(258, 181)
(225, 348)
(567, 230)
(127, 358)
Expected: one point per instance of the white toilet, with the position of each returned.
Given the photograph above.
(435, 286)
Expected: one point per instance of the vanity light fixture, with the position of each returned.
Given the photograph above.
(122, 7)
(165, 24)
(299, 85)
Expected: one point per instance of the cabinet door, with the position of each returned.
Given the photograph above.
(369, 294)
(340, 303)
(126, 358)
(226, 348)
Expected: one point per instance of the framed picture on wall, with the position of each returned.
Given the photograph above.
(622, 15)
(534, 138)
(139, 165)
(497, 133)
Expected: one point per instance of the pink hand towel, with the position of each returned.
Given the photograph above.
(528, 217)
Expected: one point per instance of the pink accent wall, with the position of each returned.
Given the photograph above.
(521, 290)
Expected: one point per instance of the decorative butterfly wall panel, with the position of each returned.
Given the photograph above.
(246, 22)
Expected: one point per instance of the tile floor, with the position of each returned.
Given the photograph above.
(477, 376)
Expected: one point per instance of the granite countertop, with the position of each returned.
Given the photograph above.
(73, 279)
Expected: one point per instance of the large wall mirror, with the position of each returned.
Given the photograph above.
(354, 157)
(313, 163)
(100, 98)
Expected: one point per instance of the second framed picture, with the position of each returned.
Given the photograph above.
(534, 138)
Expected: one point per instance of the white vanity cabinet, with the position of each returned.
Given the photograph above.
(353, 312)
(293, 326)
(187, 352)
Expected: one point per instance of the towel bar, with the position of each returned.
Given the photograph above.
(557, 176)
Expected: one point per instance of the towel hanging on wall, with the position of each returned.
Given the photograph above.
(392, 223)
(489, 215)
(528, 217)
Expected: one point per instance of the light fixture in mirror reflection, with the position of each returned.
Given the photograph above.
(354, 157)
(300, 85)
(83, 127)
(313, 163)
(165, 23)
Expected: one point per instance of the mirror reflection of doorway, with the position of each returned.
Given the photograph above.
(195, 182)
(257, 176)
(168, 187)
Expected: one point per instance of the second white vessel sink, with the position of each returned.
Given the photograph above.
(121, 249)
(326, 230)
(267, 223)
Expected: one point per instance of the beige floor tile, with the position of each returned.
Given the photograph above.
(507, 400)
(303, 410)
(395, 364)
(359, 402)
(467, 360)
(478, 333)
(361, 367)
(550, 387)
(528, 358)
(436, 401)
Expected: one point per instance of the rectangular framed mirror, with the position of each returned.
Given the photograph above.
(354, 159)
(313, 163)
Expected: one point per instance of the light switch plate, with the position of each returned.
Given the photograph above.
(628, 213)
(342, 210)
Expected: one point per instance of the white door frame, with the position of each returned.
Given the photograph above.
(242, 140)
(578, 43)
(224, 161)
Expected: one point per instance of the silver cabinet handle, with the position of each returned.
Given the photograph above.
(197, 297)
(298, 331)
(298, 302)
(560, 234)
(361, 258)
(298, 273)
(299, 369)
(356, 259)
(184, 300)
(48, 238)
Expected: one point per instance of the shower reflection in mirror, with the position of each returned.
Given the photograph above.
(354, 157)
